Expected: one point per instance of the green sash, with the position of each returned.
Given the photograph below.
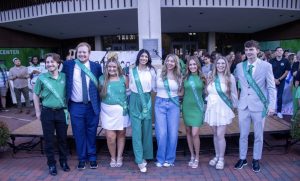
(56, 94)
(221, 93)
(257, 90)
(198, 101)
(146, 106)
(167, 87)
(87, 71)
(114, 100)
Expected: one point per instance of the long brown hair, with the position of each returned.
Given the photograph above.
(199, 72)
(227, 75)
(176, 69)
(103, 88)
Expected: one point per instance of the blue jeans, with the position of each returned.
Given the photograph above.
(166, 129)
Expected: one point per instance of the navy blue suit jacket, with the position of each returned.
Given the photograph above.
(68, 69)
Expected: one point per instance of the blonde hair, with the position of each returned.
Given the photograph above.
(227, 75)
(176, 69)
(199, 70)
(103, 88)
(84, 44)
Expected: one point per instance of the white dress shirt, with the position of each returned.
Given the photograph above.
(77, 83)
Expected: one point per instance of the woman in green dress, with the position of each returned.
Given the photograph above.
(193, 107)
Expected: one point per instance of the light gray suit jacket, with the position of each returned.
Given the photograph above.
(264, 78)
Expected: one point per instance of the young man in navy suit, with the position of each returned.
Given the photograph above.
(83, 99)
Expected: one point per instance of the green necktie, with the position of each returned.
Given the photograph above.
(250, 69)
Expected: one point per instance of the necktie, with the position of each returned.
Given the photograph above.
(84, 88)
(250, 69)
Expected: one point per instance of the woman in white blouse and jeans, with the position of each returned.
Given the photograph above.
(167, 111)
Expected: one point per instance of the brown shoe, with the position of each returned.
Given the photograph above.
(28, 111)
(20, 111)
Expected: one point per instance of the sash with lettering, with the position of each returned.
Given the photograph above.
(167, 87)
(223, 96)
(113, 98)
(200, 103)
(146, 106)
(56, 94)
(87, 72)
(257, 90)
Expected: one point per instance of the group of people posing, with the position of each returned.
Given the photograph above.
(82, 91)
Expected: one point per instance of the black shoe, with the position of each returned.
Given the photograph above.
(81, 165)
(93, 165)
(65, 166)
(240, 164)
(255, 166)
(52, 170)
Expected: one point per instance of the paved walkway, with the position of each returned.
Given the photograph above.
(276, 164)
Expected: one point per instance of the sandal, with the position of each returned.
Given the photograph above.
(191, 161)
(195, 164)
(213, 161)
(119, 162)
(112, 162)
(220, 165)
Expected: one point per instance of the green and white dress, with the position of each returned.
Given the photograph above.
(114, 108)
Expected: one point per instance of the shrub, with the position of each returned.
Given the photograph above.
(4, 134)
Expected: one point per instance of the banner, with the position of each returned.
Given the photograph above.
(24, 54)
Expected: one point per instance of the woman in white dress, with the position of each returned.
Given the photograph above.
(114, 109)
(222, 98)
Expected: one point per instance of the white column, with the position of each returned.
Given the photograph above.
(211, 42)
(98, 43)
(149, 26)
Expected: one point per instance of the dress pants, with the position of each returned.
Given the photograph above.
(245, 117)
(141, 129)
(84, 126)
(54, 120)
(280, 89)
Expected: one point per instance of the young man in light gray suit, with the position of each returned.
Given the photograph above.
(257, 100)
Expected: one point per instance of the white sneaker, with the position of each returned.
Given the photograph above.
(144, 163)
(158, 164)
(166, 164)
(142, 168)
(279, 115)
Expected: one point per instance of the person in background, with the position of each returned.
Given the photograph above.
(193, 107)
(114, 109)
(221, 100)
(286, 53)
(3, 86)
(83, 99)
(34, 70)
(230, 57)
(19, 75)
(295, 70)
(167, 111)
(207, 66)
(141, 82)
(50, 87)
(281, 68)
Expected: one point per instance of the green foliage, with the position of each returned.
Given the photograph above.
(4, 134)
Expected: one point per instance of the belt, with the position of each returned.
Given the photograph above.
(80, 102)
(53, 109)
